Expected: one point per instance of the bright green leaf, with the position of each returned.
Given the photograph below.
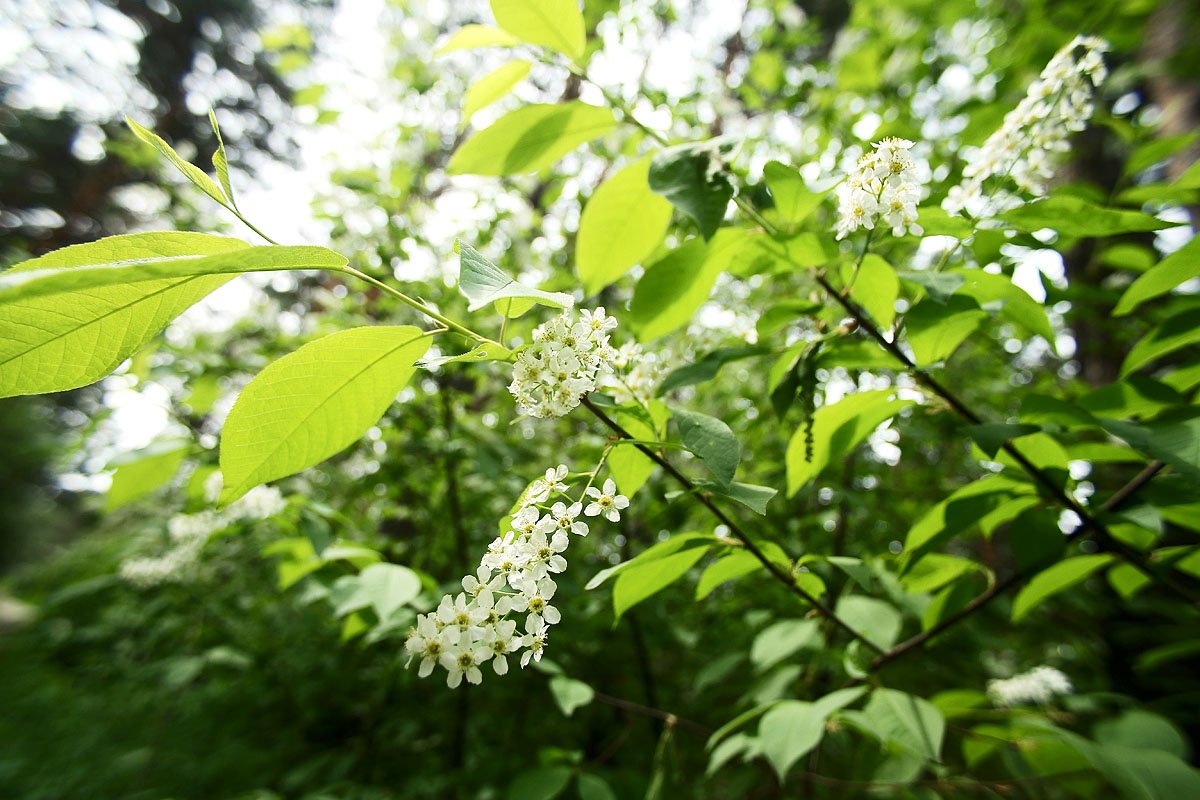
(641, 581)
(482, 282)
(836, 430)
(875, 287)
(315, 402)
(1175, 332)
(622, 224)
(1077, 218)
(471, 37)
(493, 86)
(793, 200)
(673, 289)
(197, 176)
(1058, 578)
(557, 24)
(935, 330)
(782, 639)
(530, 139)
(735, 565)
(221, 160)
(1181, 266)
(141, 473)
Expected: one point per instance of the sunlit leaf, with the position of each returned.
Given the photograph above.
(622, 224)
(557, 24)
(530, 139)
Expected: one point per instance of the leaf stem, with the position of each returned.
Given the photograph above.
(446, 322)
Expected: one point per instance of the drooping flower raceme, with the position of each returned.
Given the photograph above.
(1035, 134)
(1038, 686)
(565, 361)
(515, 579)
(883, 186)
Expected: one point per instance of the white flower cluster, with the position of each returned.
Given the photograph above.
(514, 577)
(565, 361)
(190, 532)
(636, 374)
(1040, 685)
(884, 186)
(1035, 133)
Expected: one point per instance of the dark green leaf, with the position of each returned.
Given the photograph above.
(688, 177)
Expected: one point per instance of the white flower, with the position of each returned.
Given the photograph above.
(885, 184)
(606, 502)
(564, 362)
(1038, 686)
(429, 642)
(463, 658)
(1034, 135)
(260, 502)
(536, 635)
(565, 518)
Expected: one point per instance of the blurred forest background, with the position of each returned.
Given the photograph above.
(243, 680)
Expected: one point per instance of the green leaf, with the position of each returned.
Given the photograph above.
(1173, 333)
(315, 402)
(141, 473)
(903, 719)
(493, 86)
(593, 787)
(782, 639)
(557, 24)
(1138, 773)
(1181, 266)
(836, 430)
(1190, 179)
(220, 160)
(570, 694)
(936, 222)
(641, 581)
(530, 139)
(51, 343)
(540, 783)
(793, 200)
(387, 587)
(133, 259)
(1077, 218)
(1143, 729)
(673, 289)
(785, 313)
(935, 330)
(1157, 150)
(630, 467)
(687, 177)
(785, 253)
(621, 226)
(958, 513)
(1058, 578)
(193, 173)
(788, 732)
(935, 571)
(750, 495)
(735, 565)
(706, 368)
(1014, 303)
(653, 553)
(471, 37)
(482, 282)
(712, 441)
(939, 285)
(992, 436)
(875, 287)
(1175, 441)
(879, 622)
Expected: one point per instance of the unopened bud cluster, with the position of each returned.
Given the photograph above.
(1037, 687)
(566, 360)
(883, 186)
(1035, 134)
(514, 578)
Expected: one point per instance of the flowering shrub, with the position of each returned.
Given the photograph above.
(875, 453)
